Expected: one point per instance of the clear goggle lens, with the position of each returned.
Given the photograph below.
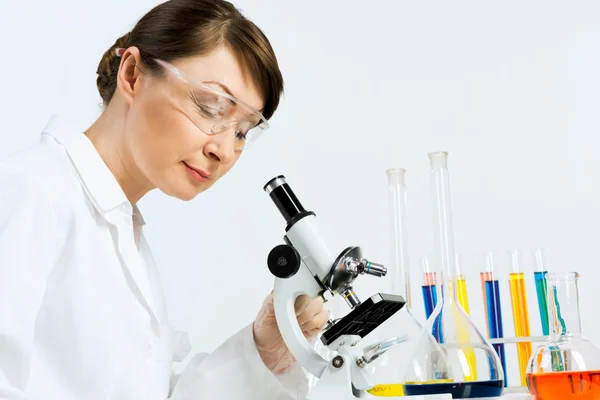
(213, 113)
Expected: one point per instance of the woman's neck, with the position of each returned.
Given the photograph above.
(108, 136)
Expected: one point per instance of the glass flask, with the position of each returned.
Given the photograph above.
(567, 366)
(388, 370)
(451, 356)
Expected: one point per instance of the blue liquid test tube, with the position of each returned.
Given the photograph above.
(428, 287)
(494, 310)
(429, 297)
(541, 288)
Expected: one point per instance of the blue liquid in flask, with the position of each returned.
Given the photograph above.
(459, 390)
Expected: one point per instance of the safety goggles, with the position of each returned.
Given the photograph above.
(212, 111)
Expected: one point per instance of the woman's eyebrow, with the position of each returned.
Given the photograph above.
(225, 89)
(222, 86)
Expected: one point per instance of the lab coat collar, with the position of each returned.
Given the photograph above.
(99, 182)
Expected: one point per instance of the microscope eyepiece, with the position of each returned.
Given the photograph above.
(286, 201)
(274, 183)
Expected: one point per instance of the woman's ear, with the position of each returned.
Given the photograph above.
(129, 74)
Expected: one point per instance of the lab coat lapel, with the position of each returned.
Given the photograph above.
(178, 343)
(134, 266)
(154, 281)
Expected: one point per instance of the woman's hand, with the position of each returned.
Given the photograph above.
(312, 318)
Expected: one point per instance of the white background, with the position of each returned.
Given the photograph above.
(511, 89)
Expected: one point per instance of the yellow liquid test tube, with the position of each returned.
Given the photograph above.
(461, 294)
(461, 291)
(463, 300)
(521, 318)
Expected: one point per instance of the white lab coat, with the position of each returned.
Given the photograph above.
(81, 310)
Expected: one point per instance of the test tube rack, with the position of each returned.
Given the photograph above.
(514, 386)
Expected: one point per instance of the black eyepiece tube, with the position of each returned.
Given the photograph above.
(284, 198)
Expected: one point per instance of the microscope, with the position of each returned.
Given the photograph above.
(304, 264)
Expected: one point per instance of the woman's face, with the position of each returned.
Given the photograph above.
(168, 148)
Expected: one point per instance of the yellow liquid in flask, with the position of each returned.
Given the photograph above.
(392, 390)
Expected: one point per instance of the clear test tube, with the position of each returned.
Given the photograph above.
(399, 271)
(518, 295)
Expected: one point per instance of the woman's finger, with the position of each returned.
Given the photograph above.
(317, 322)
(311, 310)
(312, 333)
(301, 303)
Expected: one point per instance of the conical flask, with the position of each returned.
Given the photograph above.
(567, 366)
(452, 356)
(389, 369)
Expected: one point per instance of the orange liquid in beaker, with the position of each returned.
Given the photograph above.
(584, 385)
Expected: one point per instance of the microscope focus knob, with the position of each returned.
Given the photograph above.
(284, 261)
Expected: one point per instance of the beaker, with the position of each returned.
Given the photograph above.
(567, 366)
(388, 370)
(452, 356)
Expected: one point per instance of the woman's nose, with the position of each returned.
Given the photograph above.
(222, 146)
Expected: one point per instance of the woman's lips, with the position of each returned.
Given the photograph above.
(197, 174)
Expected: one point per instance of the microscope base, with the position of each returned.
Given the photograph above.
(336, 383)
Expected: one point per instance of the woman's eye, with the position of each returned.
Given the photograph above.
(207, 106)
(208, 111)
(240, 135)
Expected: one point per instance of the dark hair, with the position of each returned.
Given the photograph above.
(181, 28)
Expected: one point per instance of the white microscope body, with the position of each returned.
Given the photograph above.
(305, 265)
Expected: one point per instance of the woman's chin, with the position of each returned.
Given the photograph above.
(182, 191)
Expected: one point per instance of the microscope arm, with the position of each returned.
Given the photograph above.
(286, 291)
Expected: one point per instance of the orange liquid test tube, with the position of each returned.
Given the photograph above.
(520, 311)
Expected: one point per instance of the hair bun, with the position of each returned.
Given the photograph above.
(109, 67)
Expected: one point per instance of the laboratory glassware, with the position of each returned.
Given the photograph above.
(493, 305)
(520, 309)
(567, 365)
(389, 368)
(443, 367)
(541, 289)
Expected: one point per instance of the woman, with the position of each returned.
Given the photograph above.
(81, 310)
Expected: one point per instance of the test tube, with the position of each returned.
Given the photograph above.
(493, 307)
(428, 287)
(485, 276)
(541, 289)
(461, 285)
(400, 273)
(518, 296)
